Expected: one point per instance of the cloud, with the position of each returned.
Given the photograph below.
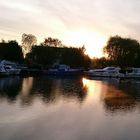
(61, 17)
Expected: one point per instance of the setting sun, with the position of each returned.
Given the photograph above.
(93, 42)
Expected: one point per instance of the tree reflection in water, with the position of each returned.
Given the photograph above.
(51, 89)
(9, 88)
(69, 108)
(116, 95)
(48, 90)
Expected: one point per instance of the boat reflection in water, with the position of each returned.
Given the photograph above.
(69, 108)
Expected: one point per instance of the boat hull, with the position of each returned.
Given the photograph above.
(64, 73)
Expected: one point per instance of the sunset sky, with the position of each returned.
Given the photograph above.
(74, 22)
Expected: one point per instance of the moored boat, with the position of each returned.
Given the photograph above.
(63, 70)
(133, 73)
(106, 72)
(8, 68)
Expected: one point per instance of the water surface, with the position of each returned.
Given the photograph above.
(48, 108)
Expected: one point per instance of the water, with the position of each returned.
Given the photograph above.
(45, 108)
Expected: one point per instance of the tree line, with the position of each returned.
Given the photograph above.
(49, 52)
(47, 56)
(122, 52)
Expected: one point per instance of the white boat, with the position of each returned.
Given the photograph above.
(8, 68)
(135, 73)
(106, 72)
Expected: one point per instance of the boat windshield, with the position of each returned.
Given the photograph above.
(99, 71)
(109, 68)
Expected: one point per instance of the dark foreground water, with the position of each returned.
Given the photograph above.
(44, 108)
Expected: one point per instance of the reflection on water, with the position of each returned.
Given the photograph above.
(48, 90)
(116, 95)
(9, 88)
(69, 108)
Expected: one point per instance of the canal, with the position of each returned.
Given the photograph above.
(52, 108)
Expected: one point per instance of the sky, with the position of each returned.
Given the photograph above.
(74, 22)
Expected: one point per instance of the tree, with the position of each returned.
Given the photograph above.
(122, 52)
(101, 62)
(47, 56)
(28, 41)
(11, 51)
(75, 57)
(52, 42)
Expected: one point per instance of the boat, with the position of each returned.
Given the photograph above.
(133, 73)
(9, 68)
(63, 70)
(105, 72)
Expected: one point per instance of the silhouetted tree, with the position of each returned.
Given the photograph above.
(123, 52)
(47, 56)
(28, 41)
(11, 51)
(101, 62)
(75, 57)
(52, 42)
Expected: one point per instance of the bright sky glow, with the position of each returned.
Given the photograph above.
(74, 22)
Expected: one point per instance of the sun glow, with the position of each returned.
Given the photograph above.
(93, 42)
(89, 85)
(93, 89)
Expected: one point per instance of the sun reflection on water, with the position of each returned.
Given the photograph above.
(89, 85)
(93, 89)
